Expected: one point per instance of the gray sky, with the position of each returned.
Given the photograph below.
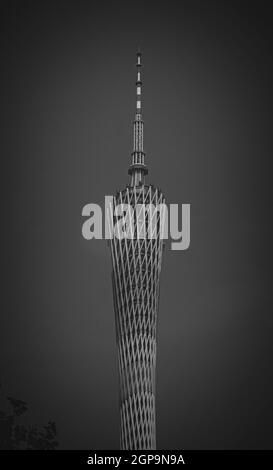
(68, 93)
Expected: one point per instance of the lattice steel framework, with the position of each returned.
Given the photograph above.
(136, 265)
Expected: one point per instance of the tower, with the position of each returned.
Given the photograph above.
(136, 262)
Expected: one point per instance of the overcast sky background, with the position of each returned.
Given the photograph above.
(67, 85)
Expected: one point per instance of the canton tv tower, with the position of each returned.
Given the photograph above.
(136, 262)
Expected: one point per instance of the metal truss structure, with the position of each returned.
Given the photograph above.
(136, 274)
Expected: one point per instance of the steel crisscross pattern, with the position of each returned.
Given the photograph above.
(136, 275)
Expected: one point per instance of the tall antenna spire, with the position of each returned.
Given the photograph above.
(138, 84)
(138, 168)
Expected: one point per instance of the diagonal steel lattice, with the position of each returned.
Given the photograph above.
(136, 274)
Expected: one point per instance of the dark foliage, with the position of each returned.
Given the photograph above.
(14, 435)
